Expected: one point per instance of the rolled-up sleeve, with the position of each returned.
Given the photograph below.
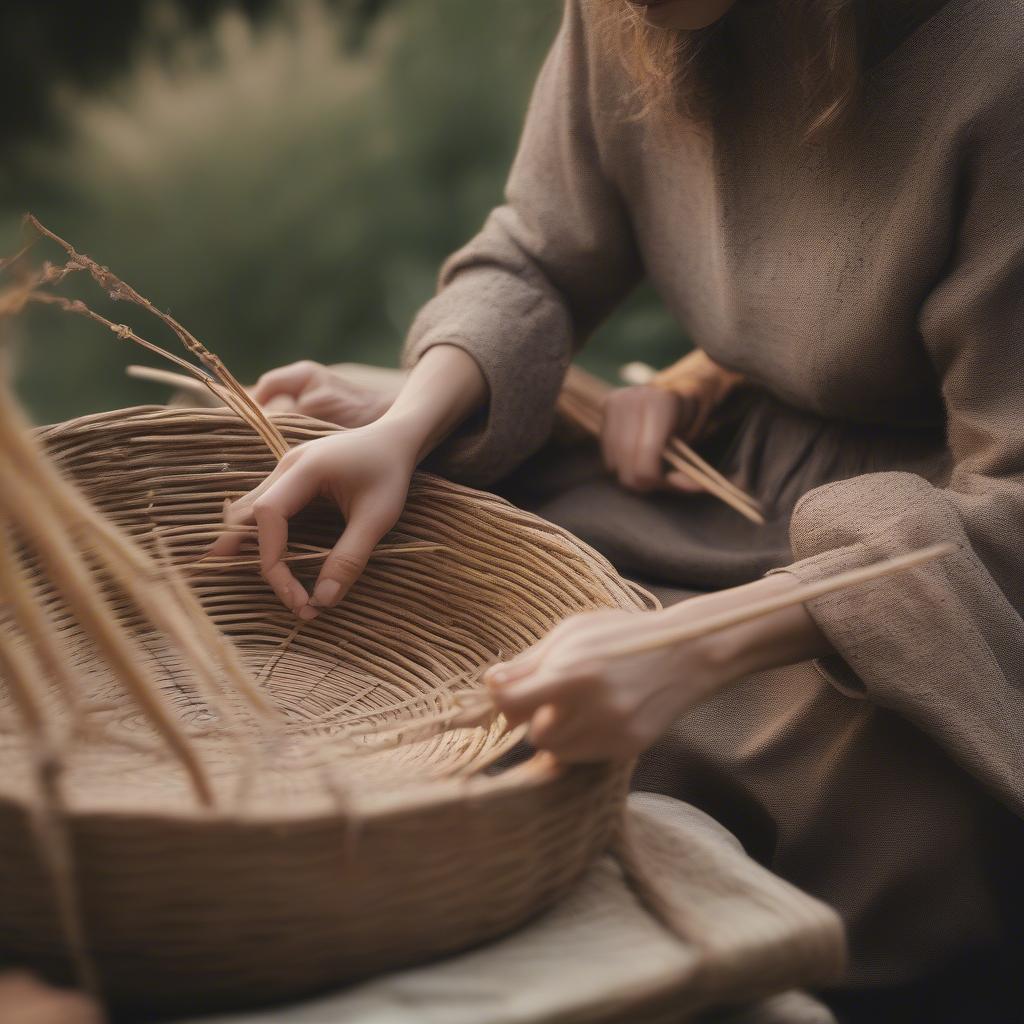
(545, 269)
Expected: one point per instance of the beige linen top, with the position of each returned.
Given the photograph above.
(877, 280)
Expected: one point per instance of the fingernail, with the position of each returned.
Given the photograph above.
(326, 593)
(308, 612)
(497, 675)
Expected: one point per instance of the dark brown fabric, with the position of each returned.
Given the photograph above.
(872, 291)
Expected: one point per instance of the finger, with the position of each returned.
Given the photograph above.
(637, 410)
(273, 541)
(622, 434)
(239, 513)
(505, 672)
(347, 560)
(655, 428)
(544, 723)
(628, 463)
(556, 727)
(528, 660)
(316, 399)
(611, 425)
(279, 404)
(682, 482)
(523, 663)
(271, 511)
(519, 700)
(287, 380)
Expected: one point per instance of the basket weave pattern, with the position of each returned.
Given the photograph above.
(357, 833)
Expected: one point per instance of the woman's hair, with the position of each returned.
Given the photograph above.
(698, 70)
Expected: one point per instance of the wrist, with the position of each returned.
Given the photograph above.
(769, 641)
(410, 434)
(442, 390)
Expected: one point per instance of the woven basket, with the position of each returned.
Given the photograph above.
(368, 830)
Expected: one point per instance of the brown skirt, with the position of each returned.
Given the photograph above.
(844, 798)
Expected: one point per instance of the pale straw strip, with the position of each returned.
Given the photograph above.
(682, 632)
(691, 455)
(20, 670)
(43, 530)
(234, 394)
(582, 407)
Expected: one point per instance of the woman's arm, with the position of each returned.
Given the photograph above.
(545, 269)
(366, 471)
(585, 703)
(547, 266)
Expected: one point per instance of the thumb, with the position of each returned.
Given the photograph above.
(523, 664)
(288, 380)
(279, 403)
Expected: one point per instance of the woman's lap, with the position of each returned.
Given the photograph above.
(852, 804)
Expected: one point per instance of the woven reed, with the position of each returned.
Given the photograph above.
(353, 832)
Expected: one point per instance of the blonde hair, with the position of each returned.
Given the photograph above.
(692, 72)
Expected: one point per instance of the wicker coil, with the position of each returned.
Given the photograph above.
(366, 827)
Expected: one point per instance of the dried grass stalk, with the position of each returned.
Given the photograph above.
(581, 402)
(217, 376)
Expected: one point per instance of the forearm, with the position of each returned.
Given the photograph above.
(442, 390)
(780, 638)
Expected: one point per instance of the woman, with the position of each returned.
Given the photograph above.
(827, 195)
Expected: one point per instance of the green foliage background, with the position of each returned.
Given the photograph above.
(286, 186)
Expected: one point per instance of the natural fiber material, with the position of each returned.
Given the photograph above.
(356, 834)
(600, 957)
(205, 802)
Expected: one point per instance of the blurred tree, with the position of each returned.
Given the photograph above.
(43, 45)
(286, 187)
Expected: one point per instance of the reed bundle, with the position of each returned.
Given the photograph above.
(232, 807)
(581, 402)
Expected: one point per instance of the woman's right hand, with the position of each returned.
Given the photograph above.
(639, 421)
(366, 471)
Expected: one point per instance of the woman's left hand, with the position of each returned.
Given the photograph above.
(327, 393)
(585, 703)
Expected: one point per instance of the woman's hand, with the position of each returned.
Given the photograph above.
(25, 1000)
(587, 702)
(316, 390)
(638, 421)
(365, 471)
